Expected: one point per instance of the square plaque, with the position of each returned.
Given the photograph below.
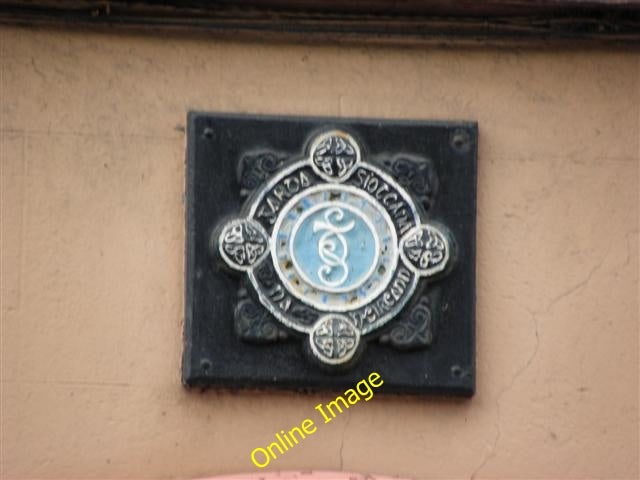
(319, 250)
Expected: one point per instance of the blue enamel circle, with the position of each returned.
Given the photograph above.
(334, 247)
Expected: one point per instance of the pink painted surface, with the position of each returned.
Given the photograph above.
(302, 475)
(92, 216)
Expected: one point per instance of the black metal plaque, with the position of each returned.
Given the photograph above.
(319, 250)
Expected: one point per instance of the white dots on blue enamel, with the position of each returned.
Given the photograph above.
(336, 238)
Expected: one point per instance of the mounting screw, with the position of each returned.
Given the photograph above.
(456, 371)
(207, 133)
(460, 140)
(205, 365)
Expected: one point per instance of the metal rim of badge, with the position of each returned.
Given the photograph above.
(344, 239)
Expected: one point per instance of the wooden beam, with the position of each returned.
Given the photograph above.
(606, 22)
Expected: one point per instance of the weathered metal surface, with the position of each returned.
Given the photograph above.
(319, 250)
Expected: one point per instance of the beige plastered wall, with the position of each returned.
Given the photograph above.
(93, 162)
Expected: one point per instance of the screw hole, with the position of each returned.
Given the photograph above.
(208, 133)
(460, 140)
(456, 371)
(205, 365)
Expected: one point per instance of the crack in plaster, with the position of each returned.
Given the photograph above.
(37, 71)
(344, 430)
(536, 324)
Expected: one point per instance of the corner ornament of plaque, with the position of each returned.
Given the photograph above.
(333, 247)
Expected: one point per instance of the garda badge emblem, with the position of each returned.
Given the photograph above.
(333, 246)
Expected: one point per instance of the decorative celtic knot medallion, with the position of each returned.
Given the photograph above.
(339, 244)
(242, 244)
(344, 237)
